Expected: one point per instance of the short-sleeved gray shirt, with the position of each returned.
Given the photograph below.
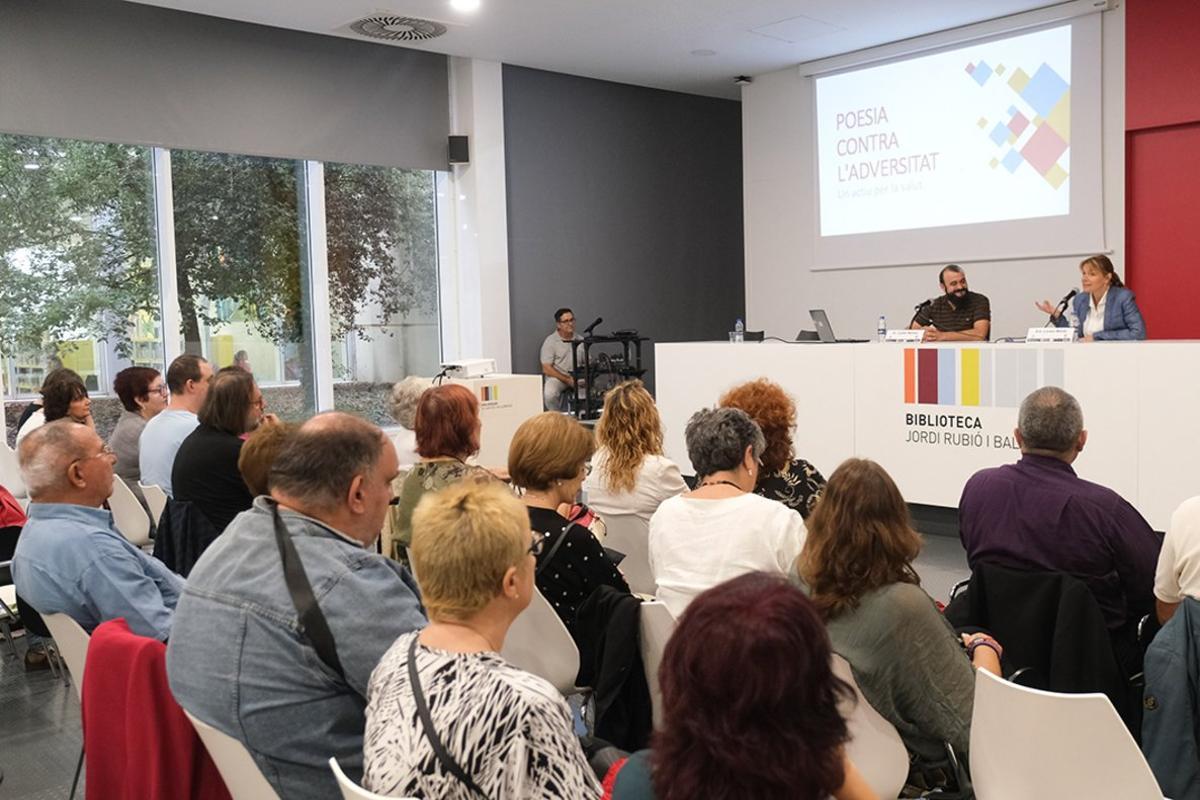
(557, 353)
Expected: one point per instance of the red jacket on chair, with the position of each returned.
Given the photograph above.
(139, 744)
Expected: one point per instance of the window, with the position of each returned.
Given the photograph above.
(78, 277)
(382, 252)
(238, 271)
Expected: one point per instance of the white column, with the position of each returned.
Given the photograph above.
(474, 221)
(164, 236)
(315, 245)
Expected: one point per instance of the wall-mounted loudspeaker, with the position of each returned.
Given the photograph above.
(459, 151)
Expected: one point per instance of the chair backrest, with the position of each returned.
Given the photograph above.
(350, 789)
(656, 626)
(72, 641)
(539, 643)
(128, 515)
(630, 534)
(875, 747)
(1032, 744)
(156, 498)
(10, 473)
(242, 777)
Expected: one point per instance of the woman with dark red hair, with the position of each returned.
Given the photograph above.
(750, 704)
(447, 427)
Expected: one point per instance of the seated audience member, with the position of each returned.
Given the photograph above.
(187, 380)
(34, 415)
(259, 453)
(721, 529)
(1178, 573)
(406, 394)
(1105, 309)
(548, 460)
(242, 660)
(67, 398)
(206, 466)
(783, 477)
(143, 393)
(630, 474)
(70, 559)
(511, 732)
(907, 660)
(750, 704)
(447, 428)
(1038, 515)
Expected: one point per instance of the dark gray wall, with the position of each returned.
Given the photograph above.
(623, 202)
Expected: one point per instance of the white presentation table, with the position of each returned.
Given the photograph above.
(934, 414)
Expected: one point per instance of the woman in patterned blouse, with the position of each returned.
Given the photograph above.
(790, 480)
(507, 733)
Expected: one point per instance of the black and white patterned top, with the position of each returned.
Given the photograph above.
(798, 486)
(509, 730)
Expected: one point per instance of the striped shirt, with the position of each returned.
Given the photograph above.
(947, 314)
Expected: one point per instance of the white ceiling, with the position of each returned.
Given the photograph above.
(640, 42)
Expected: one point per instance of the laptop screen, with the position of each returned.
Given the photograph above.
(821, 321)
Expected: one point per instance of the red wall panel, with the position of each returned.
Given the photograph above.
(1162, 73)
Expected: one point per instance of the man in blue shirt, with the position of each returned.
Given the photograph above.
(187, 378)
(70, 559)
(241, 660)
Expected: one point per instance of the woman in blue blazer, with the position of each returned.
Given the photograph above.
(1118, 316)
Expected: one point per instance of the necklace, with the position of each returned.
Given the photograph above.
(720, 483)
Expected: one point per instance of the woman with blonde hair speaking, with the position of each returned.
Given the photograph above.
(447, 716)
(630, 474)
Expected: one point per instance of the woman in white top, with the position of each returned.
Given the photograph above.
(630, 474)
(721, 529)
(505, 733)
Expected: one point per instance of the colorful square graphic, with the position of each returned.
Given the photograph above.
(982, 72)
(1012, 161)
(1043, 149)
(1044, 90)
(1018, 123)
(999, 134)
(1019, 80)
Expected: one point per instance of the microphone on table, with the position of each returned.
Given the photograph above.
(1062, 305)
(918, 308)
(588, 330)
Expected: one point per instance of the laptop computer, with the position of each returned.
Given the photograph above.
(825, 330)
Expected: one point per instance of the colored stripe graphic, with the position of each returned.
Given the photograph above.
(985, 378)
(946, 376)
(1006, 378)
(1052, 368)
(970, 377)
(927, 376)
(910, 375)
(1028, 376)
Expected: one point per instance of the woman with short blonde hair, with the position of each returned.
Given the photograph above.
(630, 474)
(475, 556)
(548, 460)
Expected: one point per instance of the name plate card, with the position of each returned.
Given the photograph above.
(1044, 335)
(907, 335)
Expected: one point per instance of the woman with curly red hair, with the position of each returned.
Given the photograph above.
(790, 480)
(750, 704)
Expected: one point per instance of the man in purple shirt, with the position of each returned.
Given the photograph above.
(1038, 515)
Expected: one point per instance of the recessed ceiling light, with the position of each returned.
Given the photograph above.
(704, 52)
(464, 5)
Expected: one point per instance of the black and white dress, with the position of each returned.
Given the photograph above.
(509, 730)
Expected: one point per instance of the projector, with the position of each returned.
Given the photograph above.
(469, 367)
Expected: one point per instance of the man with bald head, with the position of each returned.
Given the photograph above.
(282, 663)
(70, 558)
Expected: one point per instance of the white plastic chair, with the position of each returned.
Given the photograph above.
(72, 641)
(128, 515)
(350, 789)
(242, 777)
(630, 534)
(8, 614)
(539, 643)
(875, 747)
(156, 498)
(1036, 745)
(657, 625)
(10, 473)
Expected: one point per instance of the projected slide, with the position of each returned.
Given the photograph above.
(976, 134)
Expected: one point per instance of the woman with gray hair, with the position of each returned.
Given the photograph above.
(406, 394)
(721, 529)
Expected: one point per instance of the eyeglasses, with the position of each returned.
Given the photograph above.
(587, 470)
(105, 452)
(537, 545)
(162, 390)
(260, 403)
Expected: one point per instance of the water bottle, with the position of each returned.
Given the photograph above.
(739, 331)
(881, 329)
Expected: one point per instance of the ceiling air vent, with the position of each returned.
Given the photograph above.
(392, 28)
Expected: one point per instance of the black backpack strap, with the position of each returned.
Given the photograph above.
(545, 562)
(312, 622)
(435, 741)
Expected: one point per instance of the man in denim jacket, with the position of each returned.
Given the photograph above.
(238, 658)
